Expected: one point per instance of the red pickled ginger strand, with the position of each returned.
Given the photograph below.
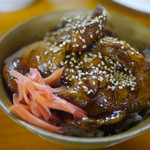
(25, 91)
(42, 100)
(19, 76)
(54, 77)
(35, 99)
(48, 93)
(64, 104)
(36, 85)
(76, 111)
(36, 76)
(34, 109)
(20, 89)
(44, 111)
(15, 101)
(59, 89)
(28, 117)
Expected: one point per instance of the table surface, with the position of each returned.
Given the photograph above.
(14, 136)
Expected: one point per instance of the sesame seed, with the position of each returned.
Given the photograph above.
(122, 47)
(84, 118)
(100, 79)
(64, 43)
(99, 65)
(37, 56)
(113, 87)
(125, 69)
(80, 82)
(66, 61)
(49, 62)
(67, 56)
(105, 100)
(84, 46)
(104, 72)
(83, 40)
(73, 54)
(102, 63)
(45, 52)
(88, 92)
(120, 87)
(61, 62)
(91, 91)
(50, 49)
(82, 31)
(93, 82)
(108, 87)
(91, 36)
(77, 45)
(80, 37)
(132, 89)
(97, 31)
(60, 45)
(75, 39)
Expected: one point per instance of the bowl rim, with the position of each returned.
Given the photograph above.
(64, 138)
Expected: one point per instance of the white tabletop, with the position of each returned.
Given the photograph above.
(140, 5)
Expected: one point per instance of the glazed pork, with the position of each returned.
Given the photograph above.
(104, 76)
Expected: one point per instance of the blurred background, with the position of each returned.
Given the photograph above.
(12, 12)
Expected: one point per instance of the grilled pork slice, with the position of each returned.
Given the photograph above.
(112, 81)
(72, 34)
